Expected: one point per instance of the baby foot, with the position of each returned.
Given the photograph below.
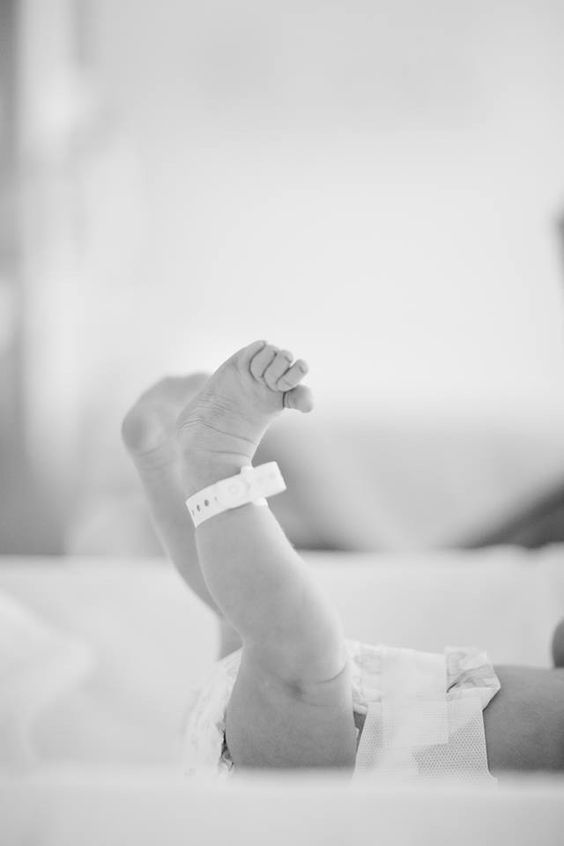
(220, 429)
(149, 427)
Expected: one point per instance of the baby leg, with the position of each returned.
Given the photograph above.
(292, 703)
(149, 434)
(558, 645)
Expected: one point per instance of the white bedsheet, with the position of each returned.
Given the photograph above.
(145, 808)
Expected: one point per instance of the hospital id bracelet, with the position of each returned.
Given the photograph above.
(252, 484)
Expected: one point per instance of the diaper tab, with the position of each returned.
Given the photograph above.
(408, 711)
(414, 704)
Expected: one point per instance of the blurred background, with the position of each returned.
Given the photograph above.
(375, 185)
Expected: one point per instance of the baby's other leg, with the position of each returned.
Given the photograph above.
(292, 703)
(149, 433)
(558, 645)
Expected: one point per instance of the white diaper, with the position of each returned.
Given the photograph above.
(423, 713)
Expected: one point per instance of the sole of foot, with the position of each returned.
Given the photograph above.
(149, 427)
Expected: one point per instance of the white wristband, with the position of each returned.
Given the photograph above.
(252, 484)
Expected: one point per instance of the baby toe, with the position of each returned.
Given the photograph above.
(277, 368)
(261, 361)
(300, 398)
(293, 376)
